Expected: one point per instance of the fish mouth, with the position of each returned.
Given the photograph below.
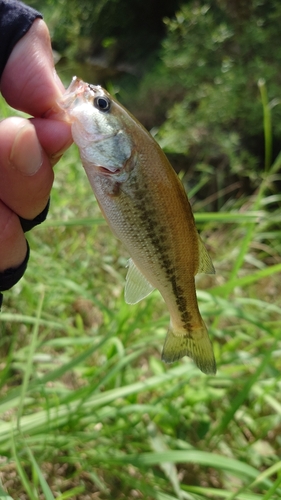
(76, 84)
(76, 89)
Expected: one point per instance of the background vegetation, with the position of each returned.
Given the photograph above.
(87, 409)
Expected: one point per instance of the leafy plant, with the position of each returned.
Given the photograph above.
(206, 85)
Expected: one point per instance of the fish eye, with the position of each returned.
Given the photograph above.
(102, 103)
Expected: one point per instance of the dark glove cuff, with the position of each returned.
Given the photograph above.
(11, 276)
(27, 224)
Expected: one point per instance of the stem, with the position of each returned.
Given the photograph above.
(266, 125)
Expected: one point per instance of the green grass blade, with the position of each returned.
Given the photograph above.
(4, 495)
(28, 370)
(242, 395)
(266, 124)
(216, 493)
(22, 474)
(270, 494)
(43, 483)
(85, 222)
(224, 290)
(158, 445)
(71, 493)
(12, 399)
(232, 466)
(231, 217)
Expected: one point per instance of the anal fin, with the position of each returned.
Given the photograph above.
(137, 287)
(205, 261)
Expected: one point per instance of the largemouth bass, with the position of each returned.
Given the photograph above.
(147, 208)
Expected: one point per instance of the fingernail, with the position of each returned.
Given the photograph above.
(26, 153)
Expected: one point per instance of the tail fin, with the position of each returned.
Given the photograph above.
(195, 344)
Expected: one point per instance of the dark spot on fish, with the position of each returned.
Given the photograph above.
(167, 263)
(155, 241)
(170, 272)
(116, 189)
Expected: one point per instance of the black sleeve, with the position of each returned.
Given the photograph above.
(15, 20)
(11, 276)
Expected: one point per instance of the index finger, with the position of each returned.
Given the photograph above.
(29, 82)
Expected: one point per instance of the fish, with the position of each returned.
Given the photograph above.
(147, 208)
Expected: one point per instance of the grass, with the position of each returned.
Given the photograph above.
(88, 410)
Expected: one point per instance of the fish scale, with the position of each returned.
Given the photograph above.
(147, 208)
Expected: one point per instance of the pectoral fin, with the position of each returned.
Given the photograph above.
(205, 262)
(137, 287)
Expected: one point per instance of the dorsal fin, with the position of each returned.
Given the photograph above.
(205, 262)
(137, 287)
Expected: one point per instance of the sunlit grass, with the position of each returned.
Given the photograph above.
(87, 408)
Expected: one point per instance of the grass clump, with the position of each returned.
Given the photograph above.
(88, 410)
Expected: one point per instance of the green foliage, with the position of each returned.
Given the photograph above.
(216, 52)
(118, 29)
(87, 409)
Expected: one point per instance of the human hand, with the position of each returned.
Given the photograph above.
(28, 148)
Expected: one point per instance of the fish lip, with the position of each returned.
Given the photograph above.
(75, 84)
(76, 89)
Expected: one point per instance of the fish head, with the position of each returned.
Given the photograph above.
(99, 128)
